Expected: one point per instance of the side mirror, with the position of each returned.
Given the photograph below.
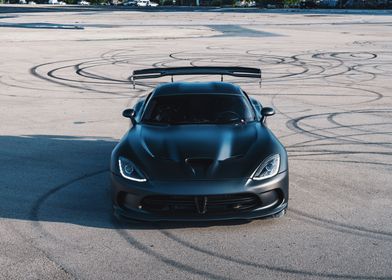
(267, 111)
(130, 114)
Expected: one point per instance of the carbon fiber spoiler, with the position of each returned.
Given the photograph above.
(153, 73)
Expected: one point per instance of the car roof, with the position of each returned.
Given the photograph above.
(197, 88)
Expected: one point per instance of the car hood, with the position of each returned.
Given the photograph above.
(200, 152)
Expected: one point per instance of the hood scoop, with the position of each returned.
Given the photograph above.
(199, 166)
(198, 152)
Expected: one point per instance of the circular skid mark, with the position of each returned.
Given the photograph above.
(211, 253)
(34, 212)
(365, 134)
(378, 127)
(34, 217)
(376, 121)
(324, 152)
(326, 96)
(72, 213)
(343, 227)
(384, 69)
(68, 79)
(108, 74)
(354, 55)
(388, 165)
(35, 221)
(309, 66)
(132, 241)
(28, 240)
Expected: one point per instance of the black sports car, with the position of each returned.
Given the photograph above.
(198, 151)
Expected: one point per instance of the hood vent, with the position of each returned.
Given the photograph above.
(199, 166)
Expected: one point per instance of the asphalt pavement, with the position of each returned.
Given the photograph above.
(64, 84)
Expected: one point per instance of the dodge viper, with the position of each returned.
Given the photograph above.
(198, 151)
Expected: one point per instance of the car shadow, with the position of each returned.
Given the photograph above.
(64, 179)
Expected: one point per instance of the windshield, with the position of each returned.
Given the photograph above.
(197, 109)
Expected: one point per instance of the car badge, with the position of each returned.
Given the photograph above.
(201, 204)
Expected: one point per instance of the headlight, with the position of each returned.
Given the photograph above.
(129, 171)
(268, 168)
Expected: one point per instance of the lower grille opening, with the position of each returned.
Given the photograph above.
(201, 205)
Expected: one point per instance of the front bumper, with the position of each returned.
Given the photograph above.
(129, 198)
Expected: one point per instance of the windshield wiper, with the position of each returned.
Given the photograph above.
(241, 121)
(192, 122)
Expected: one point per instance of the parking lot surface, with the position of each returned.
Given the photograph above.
(64, 83)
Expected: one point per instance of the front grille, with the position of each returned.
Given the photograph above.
(201, 205)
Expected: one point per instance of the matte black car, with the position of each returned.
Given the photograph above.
(199, 151)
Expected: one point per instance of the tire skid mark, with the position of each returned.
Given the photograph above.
(211, 253)
(293, 124)
(34, 72)
(301, 144)
(166, 260)
(323, 66)
(306, 61)
(343, 227)
(347, 161)
(335, 152)
(341, 139)
(34, 217)
(47, 255)
(34, 213)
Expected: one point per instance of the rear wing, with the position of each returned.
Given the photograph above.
(153, 73)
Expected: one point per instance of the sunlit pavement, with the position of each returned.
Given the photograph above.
(64, 83)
